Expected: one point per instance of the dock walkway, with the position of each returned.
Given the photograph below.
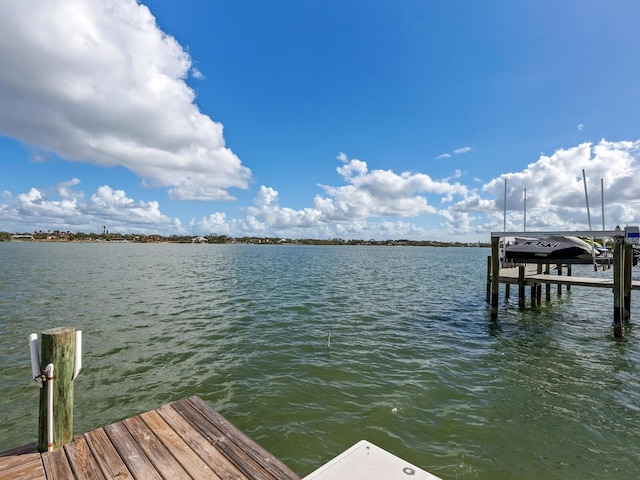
(510, 275)
(186, 439)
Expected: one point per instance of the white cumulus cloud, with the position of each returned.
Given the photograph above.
(555, 188)
(98, 81)
(361, 206)
(65, 207)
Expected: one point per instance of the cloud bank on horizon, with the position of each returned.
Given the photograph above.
(100, 83)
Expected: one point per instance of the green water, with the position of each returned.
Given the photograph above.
(415, 364)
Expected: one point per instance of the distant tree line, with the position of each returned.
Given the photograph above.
(106, 236)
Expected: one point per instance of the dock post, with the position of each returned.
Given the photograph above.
(495, 275)
(547, 286)
(58, 347)
(559, 268)
(618, 306)
(534, 297)
(568, 275)
(628, 264)
(489, 279)
(539, 286)
(521, 277)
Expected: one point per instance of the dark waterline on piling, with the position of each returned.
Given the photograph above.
(415, 363)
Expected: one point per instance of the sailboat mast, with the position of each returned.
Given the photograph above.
(602, 200)
(584, 180)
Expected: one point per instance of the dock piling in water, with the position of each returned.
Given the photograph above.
(495, 274)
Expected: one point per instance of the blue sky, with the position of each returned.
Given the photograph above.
(301, 119)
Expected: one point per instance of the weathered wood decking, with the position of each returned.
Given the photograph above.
(186, 439)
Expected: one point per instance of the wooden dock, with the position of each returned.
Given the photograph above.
(186, 439)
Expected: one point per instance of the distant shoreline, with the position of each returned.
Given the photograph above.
(221, 239)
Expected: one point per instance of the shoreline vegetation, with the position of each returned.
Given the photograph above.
(105, 236)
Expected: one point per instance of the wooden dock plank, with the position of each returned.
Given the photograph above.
(190, 461)
(22, 466)
(229, 430)
(203, 445)
(274, 467)
(82, 461)
(23, 450)
(155, 451)
(56, 465)
(27, 471)
(18, 456)
(130, 453)
(241, 459)
(106, 455)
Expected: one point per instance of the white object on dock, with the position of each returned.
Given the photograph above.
(366, 461)
(77, 364)
(34, 351)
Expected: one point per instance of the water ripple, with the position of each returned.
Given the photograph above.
(414, 363)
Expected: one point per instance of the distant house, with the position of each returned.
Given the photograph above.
(22, 237)
(199, 240)
(58, 236)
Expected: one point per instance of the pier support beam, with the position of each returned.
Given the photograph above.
(495, 275)
(534, 296)
(547, 286)
(521, 293)
(488, 279)
(618, 306)
(539, 287)
(627, 279)
(58, 346)
(559, 268)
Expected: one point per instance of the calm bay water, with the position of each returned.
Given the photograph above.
(415, 364)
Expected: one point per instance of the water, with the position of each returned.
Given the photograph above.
(415, 365)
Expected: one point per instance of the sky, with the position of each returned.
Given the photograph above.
(352, 119)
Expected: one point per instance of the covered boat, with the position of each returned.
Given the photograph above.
(552, 248)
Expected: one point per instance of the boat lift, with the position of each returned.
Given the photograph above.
(622, 259)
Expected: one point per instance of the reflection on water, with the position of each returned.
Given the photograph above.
(415, 364)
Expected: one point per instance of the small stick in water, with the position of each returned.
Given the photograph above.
(329, 340)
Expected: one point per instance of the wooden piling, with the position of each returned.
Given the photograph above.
(547, 271)
(534, 288)
(489, 279)
(539, 286)
(559, 268)
(521, 283)
(495, 275)
(628, 264)
(568, 275)
(618, 306)
(58, 347)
